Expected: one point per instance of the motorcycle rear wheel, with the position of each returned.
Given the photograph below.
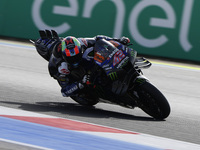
(152, 101)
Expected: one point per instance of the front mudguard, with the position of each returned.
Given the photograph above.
(139, 80)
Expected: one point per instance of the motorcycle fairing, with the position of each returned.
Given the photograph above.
(112, 56)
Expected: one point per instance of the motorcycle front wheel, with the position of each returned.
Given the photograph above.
(152, 101)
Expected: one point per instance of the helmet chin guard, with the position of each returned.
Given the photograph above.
(71, 51)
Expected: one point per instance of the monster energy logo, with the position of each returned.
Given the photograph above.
(140, 80)
(113, 75)
(132, 53)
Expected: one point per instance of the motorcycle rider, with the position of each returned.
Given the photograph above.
(70, 58)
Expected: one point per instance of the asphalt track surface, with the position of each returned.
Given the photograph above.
(25, 84)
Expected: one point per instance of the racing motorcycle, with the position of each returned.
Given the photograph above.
(117, 79)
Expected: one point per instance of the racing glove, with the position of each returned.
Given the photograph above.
(124, 40)
(44, 45)
(86, 79)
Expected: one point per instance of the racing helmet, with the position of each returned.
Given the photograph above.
(71, 51)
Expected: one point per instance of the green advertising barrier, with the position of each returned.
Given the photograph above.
(167, 28)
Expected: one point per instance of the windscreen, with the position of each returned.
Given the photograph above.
(110, 55)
